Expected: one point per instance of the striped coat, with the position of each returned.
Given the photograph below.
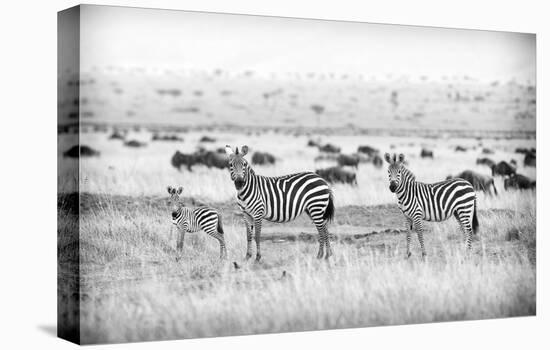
(431, 202)
(280, 199)
(191, 220)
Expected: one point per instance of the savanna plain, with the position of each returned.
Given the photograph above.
(135, 286)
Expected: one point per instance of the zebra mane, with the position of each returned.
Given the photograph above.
(250, 169)
(407, 174)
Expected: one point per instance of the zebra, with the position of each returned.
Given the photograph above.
(192, 220)
(280, 199)
(431, 202)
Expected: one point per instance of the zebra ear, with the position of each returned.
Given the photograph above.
(180, 190)
(387, 157)
(401, 157)
(228, 150)
(244, 150)
(169, 188)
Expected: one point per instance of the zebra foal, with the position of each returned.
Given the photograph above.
(191, 220)
(280, 199)
(431, 202)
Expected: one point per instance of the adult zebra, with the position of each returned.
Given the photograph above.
(431, 202)
(195, 219)
(280, 199)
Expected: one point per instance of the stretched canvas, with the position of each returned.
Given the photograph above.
(226, 174)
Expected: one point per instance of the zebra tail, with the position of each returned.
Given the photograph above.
(494, 188)
(329, 211)
(475, 223)
(220, 226)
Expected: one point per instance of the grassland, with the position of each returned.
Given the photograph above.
(133, 288)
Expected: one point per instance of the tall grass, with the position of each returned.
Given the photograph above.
(134, 289)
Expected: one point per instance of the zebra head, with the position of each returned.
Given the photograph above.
(175, 202)
(238, 166)
(395, 169)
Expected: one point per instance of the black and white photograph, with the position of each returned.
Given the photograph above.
(224, 174)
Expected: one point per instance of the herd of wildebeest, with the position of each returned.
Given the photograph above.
(344, 164)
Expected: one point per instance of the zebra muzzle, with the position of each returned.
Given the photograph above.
(393, 186)
(239, 183)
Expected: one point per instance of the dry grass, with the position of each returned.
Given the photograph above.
(133, 289)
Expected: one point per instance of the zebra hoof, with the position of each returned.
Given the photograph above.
(328, 255)
(258, 257)
(247, 256)
(408, 255)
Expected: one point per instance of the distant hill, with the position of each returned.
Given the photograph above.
(308, 100)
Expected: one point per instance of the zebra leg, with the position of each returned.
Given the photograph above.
(223, 249)
(257, 233)
(328, 250)
(464, 233)
(249, 227)
(220, 239)
(408, 223)
(181, 237)
(417, 223)
(465, 220)
(321, 225)
(321, 251)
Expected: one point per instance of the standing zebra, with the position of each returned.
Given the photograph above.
(280, 199)
(431, 202)
(193, 220)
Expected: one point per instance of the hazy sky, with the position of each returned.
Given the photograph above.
(159, 38)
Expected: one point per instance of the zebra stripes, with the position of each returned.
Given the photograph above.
(280, 199)
(196, 219)
(431, 202)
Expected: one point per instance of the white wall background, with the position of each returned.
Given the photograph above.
(28, 172)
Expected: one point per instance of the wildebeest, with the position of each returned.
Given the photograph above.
(158, 137)
(326, 157)
(312, 143)
(207, 139)
(329, 148)
(530, 159)
(371, 151)
(135, 143)
(426, 153)
(348, 160)
(179, 159)
(263, 158)
(337, 175)
(460, 149)
(524, 150)
(212, 159)
(502, 168)
(117, 135)
(519, 181)
(83, 151)
(486, 161)
(479, 181)
(377, 161)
